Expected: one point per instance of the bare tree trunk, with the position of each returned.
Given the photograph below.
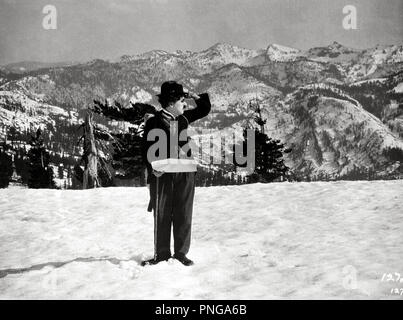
(90, 179)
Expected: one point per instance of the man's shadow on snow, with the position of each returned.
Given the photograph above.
(115, 261)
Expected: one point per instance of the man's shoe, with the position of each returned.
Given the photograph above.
(183, 259)
(156, 260)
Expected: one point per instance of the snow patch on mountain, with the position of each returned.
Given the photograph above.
(231, 86)
(380, 80)
(24, 113)
(334, 135)
(276, 52)
(335, 53)
(398, 88)
(140, 95)
(151, 54)
(387, 54)
(219, 55)
(369, 61)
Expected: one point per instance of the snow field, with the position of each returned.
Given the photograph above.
(282, 240)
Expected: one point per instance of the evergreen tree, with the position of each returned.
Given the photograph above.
(127, 158)
(69, 177)
(77, 177)
(97, 171)
(21, 164)
(60, 171)
(6, 169)
(269, 162)
(393, 154)
(40, 171)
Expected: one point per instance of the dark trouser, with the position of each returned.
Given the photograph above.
(175, 206)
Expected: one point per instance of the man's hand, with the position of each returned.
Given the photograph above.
(191, 95)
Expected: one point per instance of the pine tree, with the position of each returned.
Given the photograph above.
(269, 162)
(69, 177)
(21, 164)
(40, 171)
(77, 177)
(60, 171)
(90, 155)
(127, 158)
(6, 169)
(97, 171)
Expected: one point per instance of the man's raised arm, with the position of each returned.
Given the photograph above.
(203, 107)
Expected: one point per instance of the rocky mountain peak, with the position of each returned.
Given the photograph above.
(276, 52)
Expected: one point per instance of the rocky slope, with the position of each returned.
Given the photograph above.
(338, 108)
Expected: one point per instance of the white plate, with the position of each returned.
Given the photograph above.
(175, 165)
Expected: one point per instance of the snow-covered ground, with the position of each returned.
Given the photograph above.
(281, 240)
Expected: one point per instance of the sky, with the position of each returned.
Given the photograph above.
(108, 29)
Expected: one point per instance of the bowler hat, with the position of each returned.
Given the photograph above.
(172, 89)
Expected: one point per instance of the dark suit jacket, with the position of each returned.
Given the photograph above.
(164, 120)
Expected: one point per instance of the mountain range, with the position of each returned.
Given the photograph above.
(338, 108)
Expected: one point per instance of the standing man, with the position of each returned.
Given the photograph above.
(172, 193)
